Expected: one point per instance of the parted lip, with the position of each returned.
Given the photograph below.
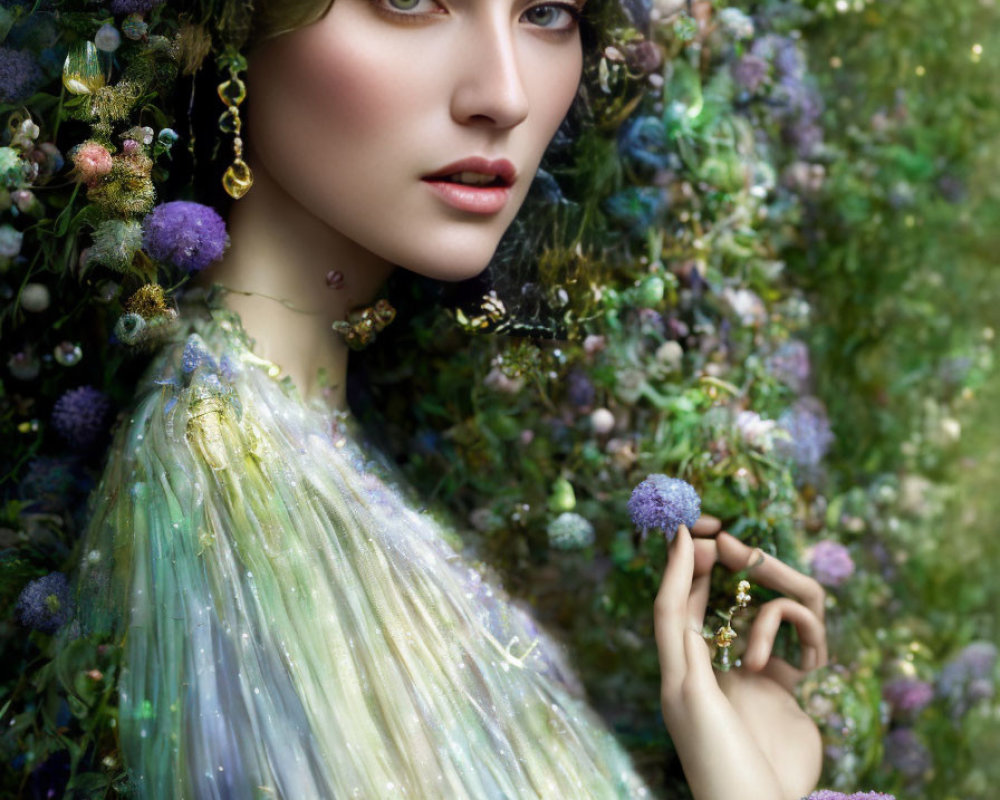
(501, 168)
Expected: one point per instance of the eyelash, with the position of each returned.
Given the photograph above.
(383, 8)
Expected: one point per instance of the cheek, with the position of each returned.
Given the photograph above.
(330, 102)
(551, 98)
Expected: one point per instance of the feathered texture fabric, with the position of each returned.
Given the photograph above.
(292, 627)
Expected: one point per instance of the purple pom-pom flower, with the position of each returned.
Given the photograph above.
(80, 416)
(188, 235)
(908, 695)
(831, 563)
(44, 604)
(664, 503)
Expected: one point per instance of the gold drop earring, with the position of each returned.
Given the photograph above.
(237, 179)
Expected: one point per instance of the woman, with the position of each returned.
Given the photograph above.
(291, 627)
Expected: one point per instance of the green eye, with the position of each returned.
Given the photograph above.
(542, 15)
(403, 5)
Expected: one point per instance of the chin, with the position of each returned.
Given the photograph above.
(450, 273)
(451, 263)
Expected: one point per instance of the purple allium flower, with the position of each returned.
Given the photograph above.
(907, 754)
(20, 75)
(133, 6)
(664, 503)
(968, 677)
(831, 563)
(750, 72)
(908, 695)
(826, 794)
(80, 416)
(580, 389)
(44, 604)
(809, 429)
(188, 235)
(790, 365)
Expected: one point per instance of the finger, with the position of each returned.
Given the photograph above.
(704, 559)
(706, 554)
(812, 634)
(783, 673)
(769, 571)
(670, 606)
(706, 526)
(698, 661)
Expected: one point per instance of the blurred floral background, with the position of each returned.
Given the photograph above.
(768, 243)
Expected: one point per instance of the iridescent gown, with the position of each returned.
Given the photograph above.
(292, 627)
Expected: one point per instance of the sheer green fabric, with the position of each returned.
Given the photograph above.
(292, 627)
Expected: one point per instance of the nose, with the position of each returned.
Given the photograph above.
(489, 89)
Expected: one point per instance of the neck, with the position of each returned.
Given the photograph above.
(276, 268)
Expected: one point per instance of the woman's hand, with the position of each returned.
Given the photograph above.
(739, 733)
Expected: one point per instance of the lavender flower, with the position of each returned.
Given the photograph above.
(570, 531)
(80, 416)
(790, 365)
(188, 235)
(908, 695)
(133, 6)
(826, 794)
(907, 754)
(968, 677)
(20, 75)
(831, 563)
(665, 503)
(809, 429)
(44, 604)
(750, 72)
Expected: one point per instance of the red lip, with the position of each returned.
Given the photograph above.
(500, 167)
(474, 199)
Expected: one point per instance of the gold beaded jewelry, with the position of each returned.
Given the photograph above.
(363, 323)
(237, 179)
(725, 636)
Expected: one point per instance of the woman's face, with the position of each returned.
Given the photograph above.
(414, 127)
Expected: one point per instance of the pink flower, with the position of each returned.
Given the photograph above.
(831, 563)
(92, 161)
(908, 695)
